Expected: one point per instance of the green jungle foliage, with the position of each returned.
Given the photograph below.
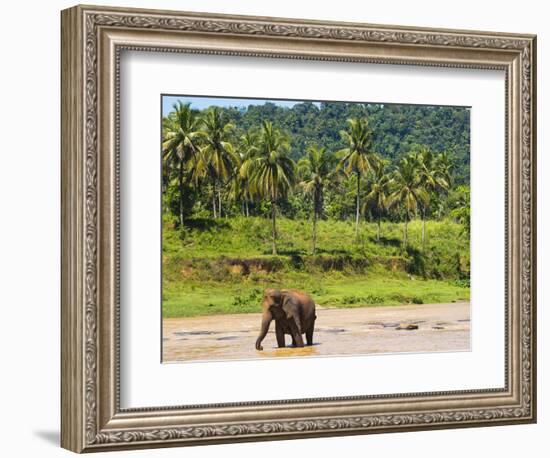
(396, 129)
(358, 204)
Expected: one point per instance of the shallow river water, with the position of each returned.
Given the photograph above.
(354, 331)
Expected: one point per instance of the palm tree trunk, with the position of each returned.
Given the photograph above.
(180, 185)
(314, 231)
(423, 229)
(273, 228)
(219, 201)
(214, 199)
(246, 208)
(405, 234)
(357, 206)
(378, 232)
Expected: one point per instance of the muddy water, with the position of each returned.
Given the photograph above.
(441, 327)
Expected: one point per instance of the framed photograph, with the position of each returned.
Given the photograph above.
(279, 228)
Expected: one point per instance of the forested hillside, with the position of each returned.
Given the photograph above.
(396, 128)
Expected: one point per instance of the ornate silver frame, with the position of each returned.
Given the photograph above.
(92, 39)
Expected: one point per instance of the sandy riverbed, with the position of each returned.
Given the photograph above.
(441, 327)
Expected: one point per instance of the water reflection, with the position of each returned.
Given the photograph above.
(289, 352)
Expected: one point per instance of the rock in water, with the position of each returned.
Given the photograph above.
(406, 327)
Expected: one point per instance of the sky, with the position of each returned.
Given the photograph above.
(204, 102)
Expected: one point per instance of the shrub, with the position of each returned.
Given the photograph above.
(369, 299)
(252, 298)
(462, 283)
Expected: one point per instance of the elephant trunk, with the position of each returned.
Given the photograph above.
(266, 321)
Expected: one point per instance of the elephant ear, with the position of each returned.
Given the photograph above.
(288, 304)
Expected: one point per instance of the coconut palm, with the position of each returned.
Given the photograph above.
(356, 158)
(271, 172)
(379, 188)
(237, 190)
(461, 210)
(434, 175)
(219, 154)
(317, 169)
(181, 132)
(444, 164)
(408, 193)
(248, 149)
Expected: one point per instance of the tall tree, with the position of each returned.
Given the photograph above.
(434, 175)
(181, 131)
(356, 158)
(408, 192)
(239, 190)
(445, 163)
(248, 149)
(218, 152)
(316, 169)
(271, 172)
(461, 207)
(377, 198)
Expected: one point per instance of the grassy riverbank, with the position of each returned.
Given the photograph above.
(222, 266)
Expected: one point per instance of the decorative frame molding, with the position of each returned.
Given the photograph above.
(92, 39)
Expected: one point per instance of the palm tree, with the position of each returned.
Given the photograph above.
(248, 151)
(409, 193)
(180, 143)
(434, 174)
(219, 153)
(237, 189)
(444, 164)
(357, 156)
(271, 172)
(461, 210)
(317, 169)
(377, 198)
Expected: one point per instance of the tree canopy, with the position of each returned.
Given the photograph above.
(396, 129)
(321, 160)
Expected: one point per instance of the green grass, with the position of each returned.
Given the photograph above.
(192, 299)
(217, 267)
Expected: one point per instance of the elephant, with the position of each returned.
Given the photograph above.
(294, 314)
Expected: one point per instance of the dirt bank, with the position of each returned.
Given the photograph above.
(441, 327)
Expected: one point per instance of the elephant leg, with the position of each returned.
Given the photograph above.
(295, 330)
(309, 335)
(299, 342)
(280, 333)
